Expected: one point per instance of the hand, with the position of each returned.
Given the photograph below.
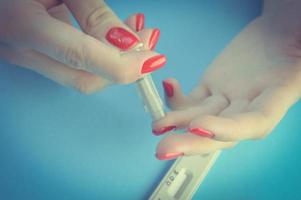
(244, 93)
(38, 34)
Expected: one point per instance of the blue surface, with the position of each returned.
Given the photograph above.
(58, 144)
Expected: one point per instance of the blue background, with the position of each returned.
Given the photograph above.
(58, 144)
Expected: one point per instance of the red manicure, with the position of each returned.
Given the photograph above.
(169, 156)
(163, 130)
(201, 132)
(168, 88)
(154, 39)
(153, 63)
(139, 22)
(121, 38)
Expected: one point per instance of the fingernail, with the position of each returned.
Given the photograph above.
(163, 130)
(153, 63)
(139, 22)
(121, 38)
(154, 39)
(168, 88)
(168, 156)
(201, 132)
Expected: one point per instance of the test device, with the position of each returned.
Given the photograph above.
(187, 173)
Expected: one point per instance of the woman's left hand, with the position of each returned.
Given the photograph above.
(243, 94)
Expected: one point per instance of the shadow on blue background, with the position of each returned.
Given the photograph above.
(58, 144)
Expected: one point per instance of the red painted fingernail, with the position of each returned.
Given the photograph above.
(168, 156)
(163, 130)
(153, 63)
(201, 132)
(121, 38)
(139, 22)
(168, 88)
(154, 39)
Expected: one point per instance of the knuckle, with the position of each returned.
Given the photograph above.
(98, 17)
(75, 55)
(124, 76)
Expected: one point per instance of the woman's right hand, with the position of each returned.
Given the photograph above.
(38, 34)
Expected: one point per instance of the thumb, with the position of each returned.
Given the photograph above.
(98, 20)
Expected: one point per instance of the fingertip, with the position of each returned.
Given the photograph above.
(140, 20)
(165, 124)
(169, 156)
(170, 85)
(201, 132)
(174, 97)
(132, 65)
(190, 144)
(172, 80)
(154, 38)
(169, 148)
(216, 127)
(149, 37)
(136, 21)
(163, 130)
(153, 63)
(121, 38)
(202, 126)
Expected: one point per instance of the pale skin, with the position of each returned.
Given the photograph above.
(38, 35)
(246, 90)
(243, 94)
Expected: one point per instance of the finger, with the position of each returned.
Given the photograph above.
(136, 21)
(257, 121)
(199, 93)
(62, 13)
(80, 80)
(236, 106)
(149, 37)
(175, 99)
(48, 4)
(176, 145)
(83, 52)
(182, 118)
(98, 20)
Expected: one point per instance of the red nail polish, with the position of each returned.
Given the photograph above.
(168, 88)
(153, 63)
(168, 156)
(154, 39)
(139, 22)
(121, 38)
(201, 132)
(163, 130)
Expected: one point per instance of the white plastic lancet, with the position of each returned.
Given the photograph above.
(186, 174)
(149, 94)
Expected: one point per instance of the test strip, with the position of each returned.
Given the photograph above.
(184, 177)
(178, 180)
